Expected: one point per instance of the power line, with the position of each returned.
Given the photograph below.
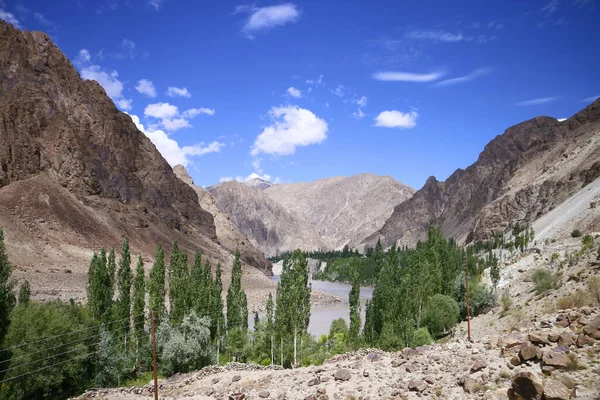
(66, 333)
(53, 356)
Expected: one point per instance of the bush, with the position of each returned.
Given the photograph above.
(593, 284)
(506, 301)
(576, 233)
(421, 337)
(441, 313)
(575, 300)
(544, 280)
(587, 242)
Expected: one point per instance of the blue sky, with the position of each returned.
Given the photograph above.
(297, 91)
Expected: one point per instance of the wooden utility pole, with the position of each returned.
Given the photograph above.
(154, 351)
(467, 295)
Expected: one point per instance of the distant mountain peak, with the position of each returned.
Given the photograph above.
(258, 183)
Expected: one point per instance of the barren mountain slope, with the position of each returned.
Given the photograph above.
(76, 174)
(228, 235)
(269, 226)
(343, 210)
(519, 176)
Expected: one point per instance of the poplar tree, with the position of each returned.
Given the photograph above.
(216, 306)
(24, 293)
(237, 308)
(139, 300)
(197, 286)
(111, 269)
(157, 286)
(173, 283)
(270, 326)
(98, 293)
(354, 301)
(7, 284)
(125, 277)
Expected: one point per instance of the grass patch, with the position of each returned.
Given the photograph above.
(544, 280)
(575, 300)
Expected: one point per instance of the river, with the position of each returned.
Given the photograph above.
(322, 316)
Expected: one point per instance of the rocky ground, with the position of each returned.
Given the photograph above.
(531, 350)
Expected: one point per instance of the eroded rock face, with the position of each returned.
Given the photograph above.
(519, 176)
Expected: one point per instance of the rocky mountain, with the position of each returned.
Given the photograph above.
(520, 176)
(258, 183)
(327, 213)
(76, 174)
(228, 235)
(269, 226)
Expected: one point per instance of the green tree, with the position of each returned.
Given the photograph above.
(123, 304)
(216, 309)
(421, 337)
(237, 308)
(441, 313)
(494, 269)
(98, 292)
(139, 301)
(25, 293)
(157, 286)
(7, 296)
(292, 314)
(354, 301)
(270, 324)
(111, 269)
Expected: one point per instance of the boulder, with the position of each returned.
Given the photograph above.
(366, 373)
(528, 352)
(236, 378)
(321, 391)
(416, 385)
(556, 359)
(592, 329)
(525, 386)
(373, 357)
(582, 340)
(478, 366)
(515, 360)
(553, 337)
(470, 385)
(537, 339)
(342, 375)
(237, 396)
(314, 381)
(263, 394)
(565, 339)
(554, 390)
(509, 341)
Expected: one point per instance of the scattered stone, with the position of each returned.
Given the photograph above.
(373, 357)
(592, 329)
(525, 385)
(478, 366)
(429, 379)
(515, 360)
(509, 341)
(264, 394)
(310, 397)
(561, 349)
(342, 375)
(553, 337)
(556, 359)
(321, 391)
(554, 390)
(210, 392)
(585, 310)
(324, 379)
(565, 339)
(416, 385)
(470, 385)
(537, 339)
(366, 373)
(237, 396)
(582, 340)
(323, 397)
(236, 378)
(215, 381)
(314, 381)
(528, 352)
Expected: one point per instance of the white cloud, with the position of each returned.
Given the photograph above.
(339, 91)
(473, 75)
(161, 110)
(156, 4)
(226, 179)
(535, 102)
(362, 101)
(193, 112)
(254, 175)
(256, 165)
(146, 87)
(268, 17)
(175, 123)
(396, 119)
(108, 80)
(437, 36)
(170, 149)
(358, 114)
(10, 18)
(83, 57)
(181, 92)
(129, 47)
(44, 21)
(561, 119)
(124, 104)
(590, 99)
(407, 76)
(292, 127)
(292, 91)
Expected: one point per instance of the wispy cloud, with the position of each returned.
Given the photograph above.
(169, 115)
(396, 119)
(292, 91)
(156, 4)
(43, 21)
(535, 102)
(436, 36)
(469, 77)
(267, 17)
(590, 99)
(9, 17)
(146, 87)
(173, 91)
(407, 76)
(551, 7)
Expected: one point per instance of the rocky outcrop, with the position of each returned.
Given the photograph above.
(519, 176)
(228, 235)
(76, 174)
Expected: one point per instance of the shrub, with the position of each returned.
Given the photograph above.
(576, 233)
(544, 280)
(577, 299)
(588, 242)
(441, 313)
(554, 256)
(593, 284)
(506, 301)
(421, 337)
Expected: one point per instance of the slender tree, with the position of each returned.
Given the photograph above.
(139, 301)
(24, 293)
(157, 286)
(111, 269)
(236, 298)
(7, 284)
(216, 308)
(98, 293)
(123, 304)
(354, 301)
(270, 327)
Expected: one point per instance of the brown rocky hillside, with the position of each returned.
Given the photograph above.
(76, 175)
(520, 176)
